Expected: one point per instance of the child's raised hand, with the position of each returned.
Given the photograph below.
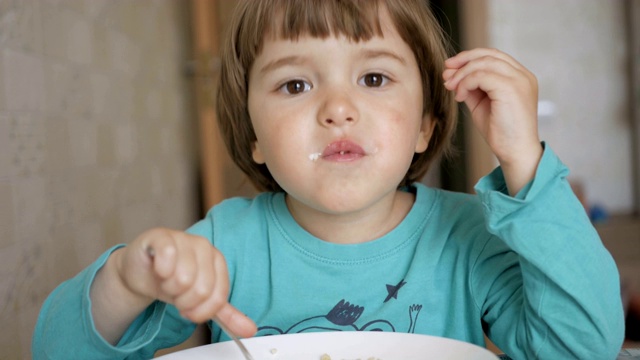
(502, 97)
(184, 270)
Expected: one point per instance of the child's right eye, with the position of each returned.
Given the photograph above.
(294, 87)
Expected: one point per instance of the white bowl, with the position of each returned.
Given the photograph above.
(348, 345)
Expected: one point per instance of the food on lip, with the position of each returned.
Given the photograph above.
(343, 150)
(342, 147)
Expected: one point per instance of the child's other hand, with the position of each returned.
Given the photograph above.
(186, 271)
(502, 97)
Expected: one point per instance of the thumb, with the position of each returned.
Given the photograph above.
(237, 322)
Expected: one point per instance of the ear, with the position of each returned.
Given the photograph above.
(256, 153)
(426, 130)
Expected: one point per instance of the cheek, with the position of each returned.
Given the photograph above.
(281, 144)
(403, 129)
(263, 125)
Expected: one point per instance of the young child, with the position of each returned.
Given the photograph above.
(335, 109)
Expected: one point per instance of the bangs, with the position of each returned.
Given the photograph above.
(285, 19)
(357, 20)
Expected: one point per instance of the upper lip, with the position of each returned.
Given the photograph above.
(343, 146)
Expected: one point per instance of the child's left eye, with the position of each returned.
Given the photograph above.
(294, 87)
(373, 80)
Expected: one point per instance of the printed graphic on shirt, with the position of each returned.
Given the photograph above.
(344, 317)
(393, 290)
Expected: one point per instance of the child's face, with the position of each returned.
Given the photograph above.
(338, 122)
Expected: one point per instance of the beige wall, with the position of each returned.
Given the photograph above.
(579, 50)
(579, 53)
(96, 140)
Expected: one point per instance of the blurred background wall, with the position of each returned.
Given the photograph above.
(579, 51)
(97, 140)
(99, 131)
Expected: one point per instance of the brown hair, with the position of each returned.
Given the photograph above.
(357, 20)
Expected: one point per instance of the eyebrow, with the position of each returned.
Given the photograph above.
(287, 60)
(381, 53)
(298, 60)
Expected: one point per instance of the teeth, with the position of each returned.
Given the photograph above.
(342, 152)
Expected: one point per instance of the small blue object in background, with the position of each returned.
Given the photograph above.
(598, 214)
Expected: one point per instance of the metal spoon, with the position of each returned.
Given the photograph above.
(151, 253)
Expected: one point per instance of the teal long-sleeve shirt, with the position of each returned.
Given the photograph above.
(529, 271)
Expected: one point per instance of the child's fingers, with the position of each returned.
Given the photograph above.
(448, 73)
(211, 283)
(192, 275)
(236, 321)
(467, 89)
(208, 308)
(482, 65)
(463, 57)
(184, 275)
(160, 244)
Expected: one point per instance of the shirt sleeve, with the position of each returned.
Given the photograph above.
(546, 286)
(65, 328)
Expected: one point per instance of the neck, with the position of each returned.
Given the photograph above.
(354, 227)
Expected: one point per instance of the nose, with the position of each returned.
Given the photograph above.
(337, 109)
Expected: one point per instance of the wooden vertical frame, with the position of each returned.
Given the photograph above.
(633, 35)
(221, 178)
(474, 33)
(205, 51)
